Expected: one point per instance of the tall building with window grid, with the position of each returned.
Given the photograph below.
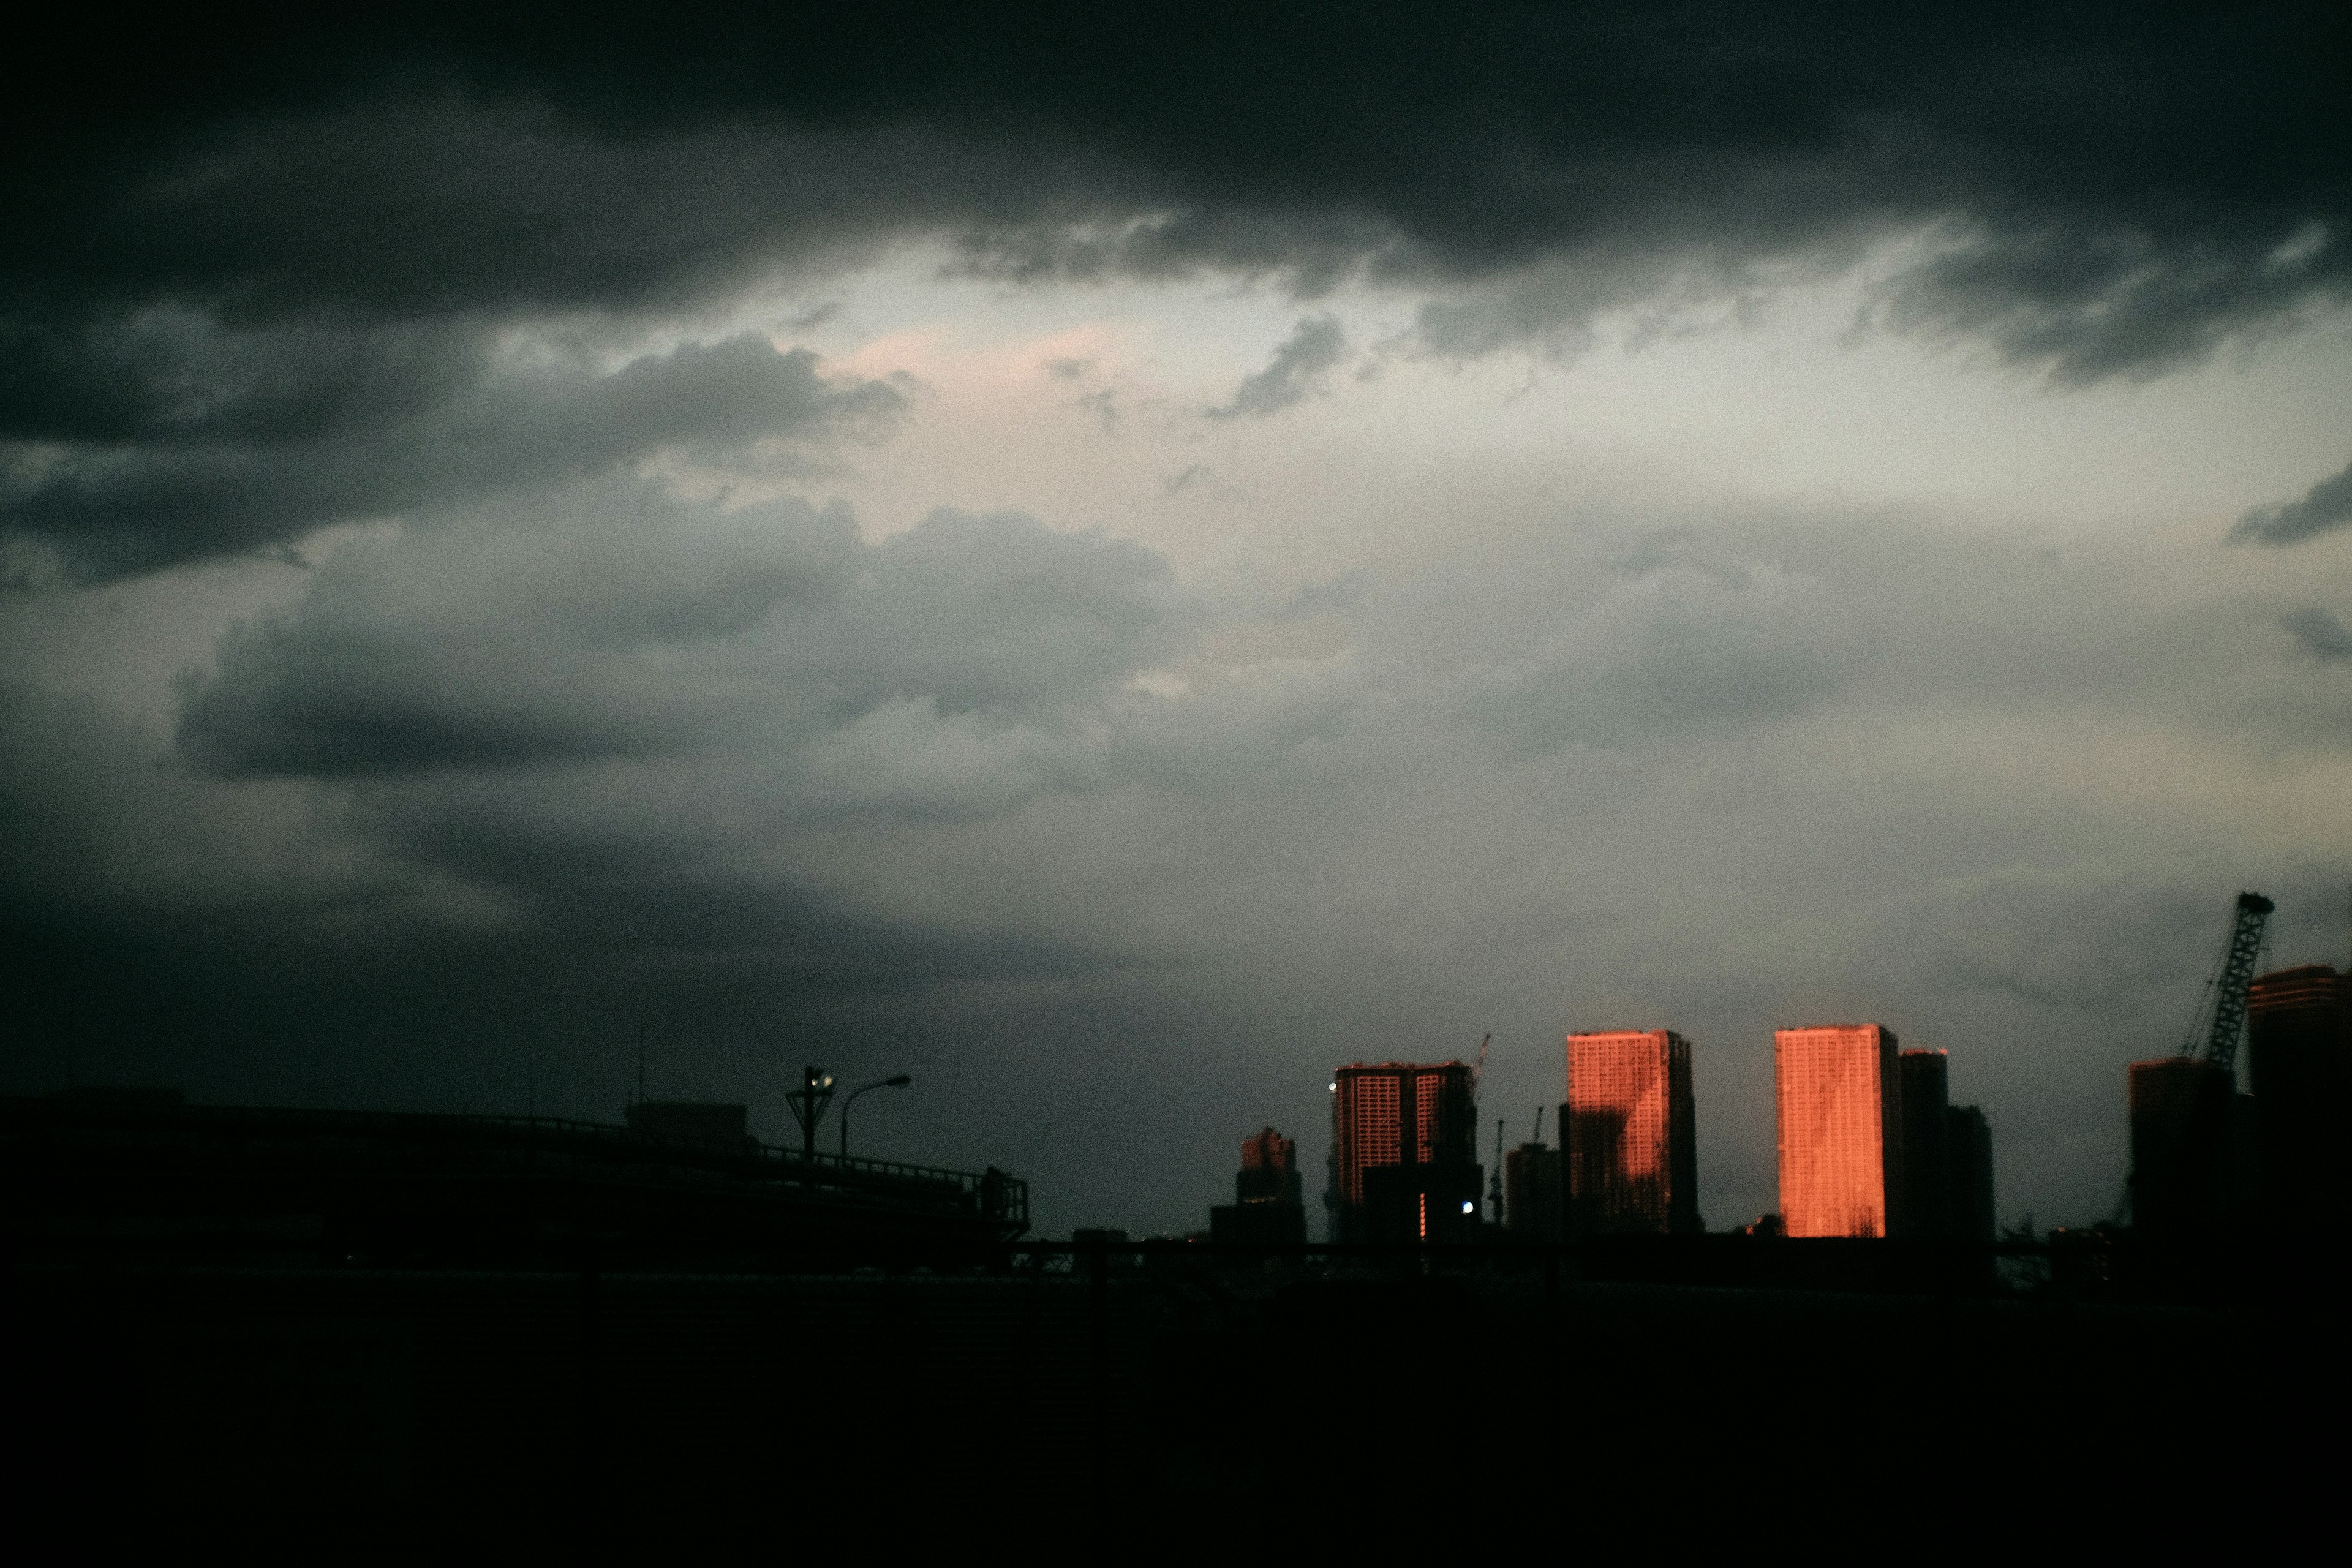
(1404, 1163)
(1630, 1133)
(1837, 1094)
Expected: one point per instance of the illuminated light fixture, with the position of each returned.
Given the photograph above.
(1467, 1206)
(1335, 1086)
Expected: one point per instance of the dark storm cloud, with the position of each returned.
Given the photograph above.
(610, 621)
(204, 442)
(2325, 507)
(1298, 364)
(2319, 634)
(2123, 185)
(255, 270)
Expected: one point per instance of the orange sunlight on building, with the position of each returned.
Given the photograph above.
(1840, 1129)
(1632, 1166)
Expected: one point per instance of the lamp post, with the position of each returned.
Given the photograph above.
(901, 1081)
(808, 1103)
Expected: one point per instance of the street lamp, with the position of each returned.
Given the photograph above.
(901, 1081)
(808, 1103)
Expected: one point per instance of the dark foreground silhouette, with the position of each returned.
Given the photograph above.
(691, 1391)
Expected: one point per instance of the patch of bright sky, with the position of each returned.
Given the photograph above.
(1793, 406)
(1086, 407)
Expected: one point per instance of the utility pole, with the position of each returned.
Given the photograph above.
(1494, 1183)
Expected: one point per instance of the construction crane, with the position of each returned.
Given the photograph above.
(2239, 956)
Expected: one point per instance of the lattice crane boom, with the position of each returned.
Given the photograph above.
(2237, 961)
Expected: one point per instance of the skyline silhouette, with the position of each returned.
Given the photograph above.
(1109, 563)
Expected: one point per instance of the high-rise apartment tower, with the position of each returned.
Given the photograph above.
(1838, 1096)
(2183, 1176)
(1404, 1162)
(1628, 1133)
(1969, 1139)
(2299, 1022)
(1925, 1097)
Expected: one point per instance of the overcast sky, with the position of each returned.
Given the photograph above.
(1116, 559)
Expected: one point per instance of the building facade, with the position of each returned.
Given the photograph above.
(1630, 1134)
(1404, 1153)
(2183, 1174)
(2299, 1051)
(1268, 1206)
(1269, 1172)
(1837, 1094)
(1925, 1094)
(1531, 1208)
(1968, 1138)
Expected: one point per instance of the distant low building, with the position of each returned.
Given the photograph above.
(1268, 1208)
(697, 1123)
(1103, 1246)
(1531, 1205)
(146, 1177)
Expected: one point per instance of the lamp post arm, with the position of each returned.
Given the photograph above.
(901, 1081)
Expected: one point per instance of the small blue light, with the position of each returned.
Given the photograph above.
(1468, 1207)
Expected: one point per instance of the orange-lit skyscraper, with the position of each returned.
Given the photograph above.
(1839, 1099)
(1630, 1133)
(1404, 1163)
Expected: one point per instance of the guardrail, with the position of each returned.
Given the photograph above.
(992, 1194)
